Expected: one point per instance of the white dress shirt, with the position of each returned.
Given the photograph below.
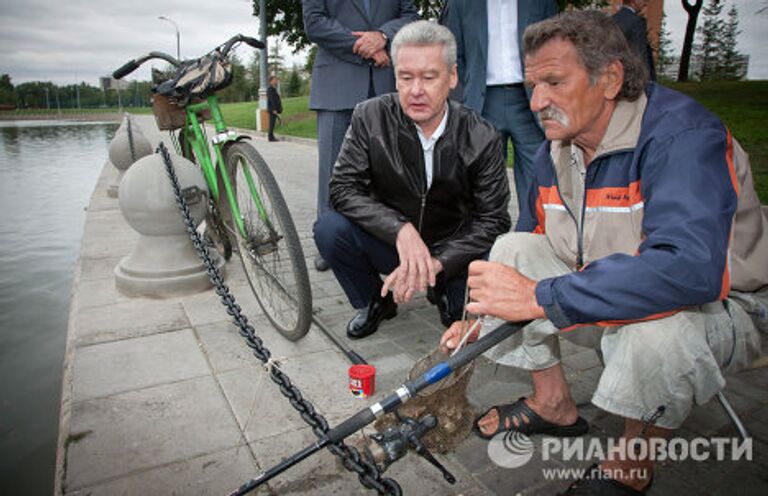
(428, 145)
(504, 65)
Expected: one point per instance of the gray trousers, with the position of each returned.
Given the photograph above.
(671, 362)
(331, 127)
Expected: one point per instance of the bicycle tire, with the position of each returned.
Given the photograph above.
(270, 252)
(216, 232)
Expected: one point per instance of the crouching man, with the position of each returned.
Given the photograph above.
(419, 189)
(642, 235)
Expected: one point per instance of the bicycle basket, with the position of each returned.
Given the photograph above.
(168, 115)
(196, 78)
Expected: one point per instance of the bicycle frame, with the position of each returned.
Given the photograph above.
(211, 166)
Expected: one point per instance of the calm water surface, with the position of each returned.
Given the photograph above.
(47, 173)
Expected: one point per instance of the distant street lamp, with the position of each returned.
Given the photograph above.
(178, 49)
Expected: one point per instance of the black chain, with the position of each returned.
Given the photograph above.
(130, 138)
(368, 473)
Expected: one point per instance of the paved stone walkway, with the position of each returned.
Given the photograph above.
(162, 396)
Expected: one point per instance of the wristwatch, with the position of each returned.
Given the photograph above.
(384, 35)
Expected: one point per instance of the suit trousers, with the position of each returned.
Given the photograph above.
(331, 127)
(272, 122)
(358, 258)
(670, 362)
(508, 109)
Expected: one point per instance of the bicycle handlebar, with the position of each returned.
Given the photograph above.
(134, 64)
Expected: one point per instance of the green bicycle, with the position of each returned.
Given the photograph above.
(245, 206)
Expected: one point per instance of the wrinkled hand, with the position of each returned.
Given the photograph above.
(381, 59)
(452, 336)
(417, 267)
(368, 43)
(501, 291)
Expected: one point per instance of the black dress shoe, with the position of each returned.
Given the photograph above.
(436, 296)
(367, 321)
(320, 264)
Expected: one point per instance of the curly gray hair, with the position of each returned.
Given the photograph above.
(598, 42)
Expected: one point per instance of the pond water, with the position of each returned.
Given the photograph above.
(47, 173)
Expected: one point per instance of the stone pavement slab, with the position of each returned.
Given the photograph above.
(162, 396)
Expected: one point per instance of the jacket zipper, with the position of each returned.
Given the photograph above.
(421, 210)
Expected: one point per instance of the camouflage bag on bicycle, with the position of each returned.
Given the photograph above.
(197, 78)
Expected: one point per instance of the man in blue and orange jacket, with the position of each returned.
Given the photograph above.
(642, 234)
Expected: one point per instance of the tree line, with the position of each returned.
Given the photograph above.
(709, 53)
(709, 50)
(133, 94)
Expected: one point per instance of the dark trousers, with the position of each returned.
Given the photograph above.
(331, 127)
(357, 258)
(272, 121)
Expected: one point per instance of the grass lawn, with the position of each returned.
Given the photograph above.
(297, 119)
(743, 107)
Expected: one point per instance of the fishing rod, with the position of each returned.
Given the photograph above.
(351, 355)
(405, 392)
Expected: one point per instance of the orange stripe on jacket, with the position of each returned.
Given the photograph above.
(614, 323)
(615, 197)
(729, 159)
(546, 196)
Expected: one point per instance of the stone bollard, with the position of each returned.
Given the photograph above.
(128, 145)
(163, 262)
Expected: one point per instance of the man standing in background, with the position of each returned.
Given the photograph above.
(635, 30)
(352, 64)
(488, 34)
(274, 106)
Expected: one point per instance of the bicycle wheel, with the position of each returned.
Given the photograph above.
(270, 250)
(216, 232)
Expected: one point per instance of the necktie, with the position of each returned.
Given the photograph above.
(367, 5)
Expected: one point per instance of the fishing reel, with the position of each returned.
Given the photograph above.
(389, 446)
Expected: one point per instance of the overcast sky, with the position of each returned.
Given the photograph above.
(65, 41)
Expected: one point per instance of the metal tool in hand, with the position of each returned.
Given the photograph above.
(408, 390)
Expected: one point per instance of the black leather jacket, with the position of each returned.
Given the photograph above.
(379, 181)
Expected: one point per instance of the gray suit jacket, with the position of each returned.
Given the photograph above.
(468, 20)
(340, 79)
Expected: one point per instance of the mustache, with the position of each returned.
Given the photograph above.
(553, 114)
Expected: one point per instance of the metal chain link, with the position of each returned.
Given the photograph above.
(368, 473)
(130, 138)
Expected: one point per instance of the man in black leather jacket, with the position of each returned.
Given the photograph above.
(419, 189)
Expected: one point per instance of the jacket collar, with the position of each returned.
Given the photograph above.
(622, 133)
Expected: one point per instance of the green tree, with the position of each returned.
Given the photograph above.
(254, 74)
(275, 59)
(7, 91)
(239, 89)
(708, 51)
(664, 49)
(294, 84)
(732, 67)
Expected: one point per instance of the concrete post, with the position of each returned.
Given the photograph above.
(128, 145)
(164, 262)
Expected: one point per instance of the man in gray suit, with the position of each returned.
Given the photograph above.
(488, 36)
(352, 64)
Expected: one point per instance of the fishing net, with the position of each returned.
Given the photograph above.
(446, 400)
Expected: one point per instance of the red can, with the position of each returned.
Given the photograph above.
(362, 380)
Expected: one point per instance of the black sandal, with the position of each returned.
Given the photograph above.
(528, 422)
